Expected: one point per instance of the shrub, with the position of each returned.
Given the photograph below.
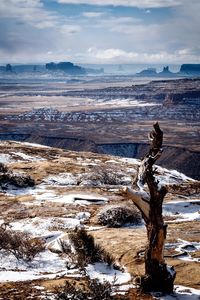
(20, 244)
(118, 215)
(93, 290)
(7, 177)
(108, 176)
(86, 250)
(3, 168)
(103, 175)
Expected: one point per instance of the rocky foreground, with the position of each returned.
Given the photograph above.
(48, 193)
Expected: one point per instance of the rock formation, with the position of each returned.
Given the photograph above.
(66, 67)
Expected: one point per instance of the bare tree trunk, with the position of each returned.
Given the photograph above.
(158, 276)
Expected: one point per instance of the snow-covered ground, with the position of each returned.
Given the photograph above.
(182, 211)
(169, 177)
(45, 226)
(60, 189)
(49, 264)
(44, 193)
(46, 265)
(106, 273)
(181, 293)
(184, 250)
(5, 158)
(18, 157)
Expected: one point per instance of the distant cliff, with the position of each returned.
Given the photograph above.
(190, 69)
(181, 159)
(148, 72)
(186, 70)
(66, 67)
(153, 73)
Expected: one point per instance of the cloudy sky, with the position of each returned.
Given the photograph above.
(100, 31)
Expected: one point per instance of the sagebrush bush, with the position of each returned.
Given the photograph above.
(118, 215)
(104, 175)
(20, 244)
(86, 250)
(93, 290)
(3, 168)
(7, 177)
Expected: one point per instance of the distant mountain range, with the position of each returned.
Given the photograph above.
(68, 68)
(185, 70)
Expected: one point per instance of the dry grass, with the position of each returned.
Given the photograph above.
(123, 243)
(19, 244)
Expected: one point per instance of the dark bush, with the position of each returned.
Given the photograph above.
(93, 290)
(3, 168)
(86, 250)
(104, 175)
(7, 177)
(118, 215)
(20, 244)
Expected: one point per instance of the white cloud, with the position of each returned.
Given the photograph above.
(91, 14)
(133, 3)
(31, 12)
(125, 25)
(69, 29)
(113, 55)
(28, 31)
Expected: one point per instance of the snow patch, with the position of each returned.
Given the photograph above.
(31, 144)
(62, 179)
(184, 250)
(183, 211)
(83, 216)
(43, 226)
(45, 265)
(27, 157)
(182, 293)
(5, 158)
(81, 199)
(170, 177)
(103, 273)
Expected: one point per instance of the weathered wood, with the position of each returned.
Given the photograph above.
(141, 200)
(158, 276)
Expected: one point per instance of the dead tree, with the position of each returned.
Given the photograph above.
(158, 276)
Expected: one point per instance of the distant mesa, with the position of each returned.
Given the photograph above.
(66, 67)
(22, 68)
(8, 68)
(2, 69)
(71, 69)
(148, 72)
(190, 69)
(166, 72)
(61, 67)
(186, 70)
(151, 72)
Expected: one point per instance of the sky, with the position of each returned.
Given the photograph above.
(100, 31)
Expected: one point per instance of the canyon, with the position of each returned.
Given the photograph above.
(112, 117)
